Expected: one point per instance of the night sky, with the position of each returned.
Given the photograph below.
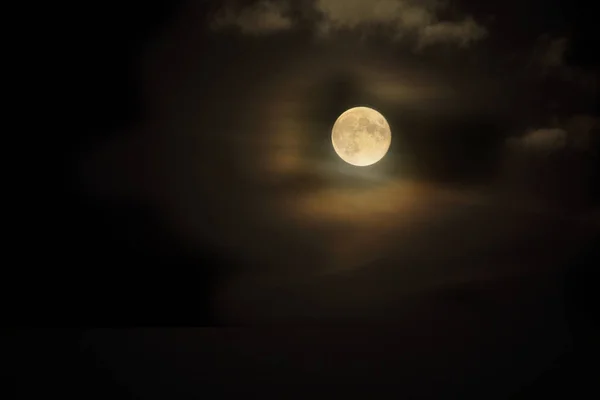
(206, 193)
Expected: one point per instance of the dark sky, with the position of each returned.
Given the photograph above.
(206, 192)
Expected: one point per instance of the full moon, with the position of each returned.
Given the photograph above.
(361, 136)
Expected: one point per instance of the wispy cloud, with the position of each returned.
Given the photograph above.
(462, 33)
(578, 133)
(404, 17)
(552, 52)
(261, 18)
(549, 57)
(544, 139)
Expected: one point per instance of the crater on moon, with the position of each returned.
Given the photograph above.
(361, 136)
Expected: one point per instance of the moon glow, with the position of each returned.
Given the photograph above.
(361, 136)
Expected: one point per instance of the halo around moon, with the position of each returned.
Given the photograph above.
(361, 136)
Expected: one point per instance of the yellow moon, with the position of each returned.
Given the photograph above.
(361, 136)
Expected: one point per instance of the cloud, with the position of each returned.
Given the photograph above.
(553, 53)
(549, 57)
(578, 133)
(462, 33)
(261, 18)
(354, 13)
(403, 16)
(554, 166)
(545, 139)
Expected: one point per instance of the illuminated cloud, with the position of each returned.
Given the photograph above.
(405, 17)
(418, 20)
(264, 17)
(462, 33)
(554, 167)
(541, 139)
(549, 58)
(578, 133)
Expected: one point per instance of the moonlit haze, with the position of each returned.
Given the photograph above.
(253, 167)
(426, 165)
